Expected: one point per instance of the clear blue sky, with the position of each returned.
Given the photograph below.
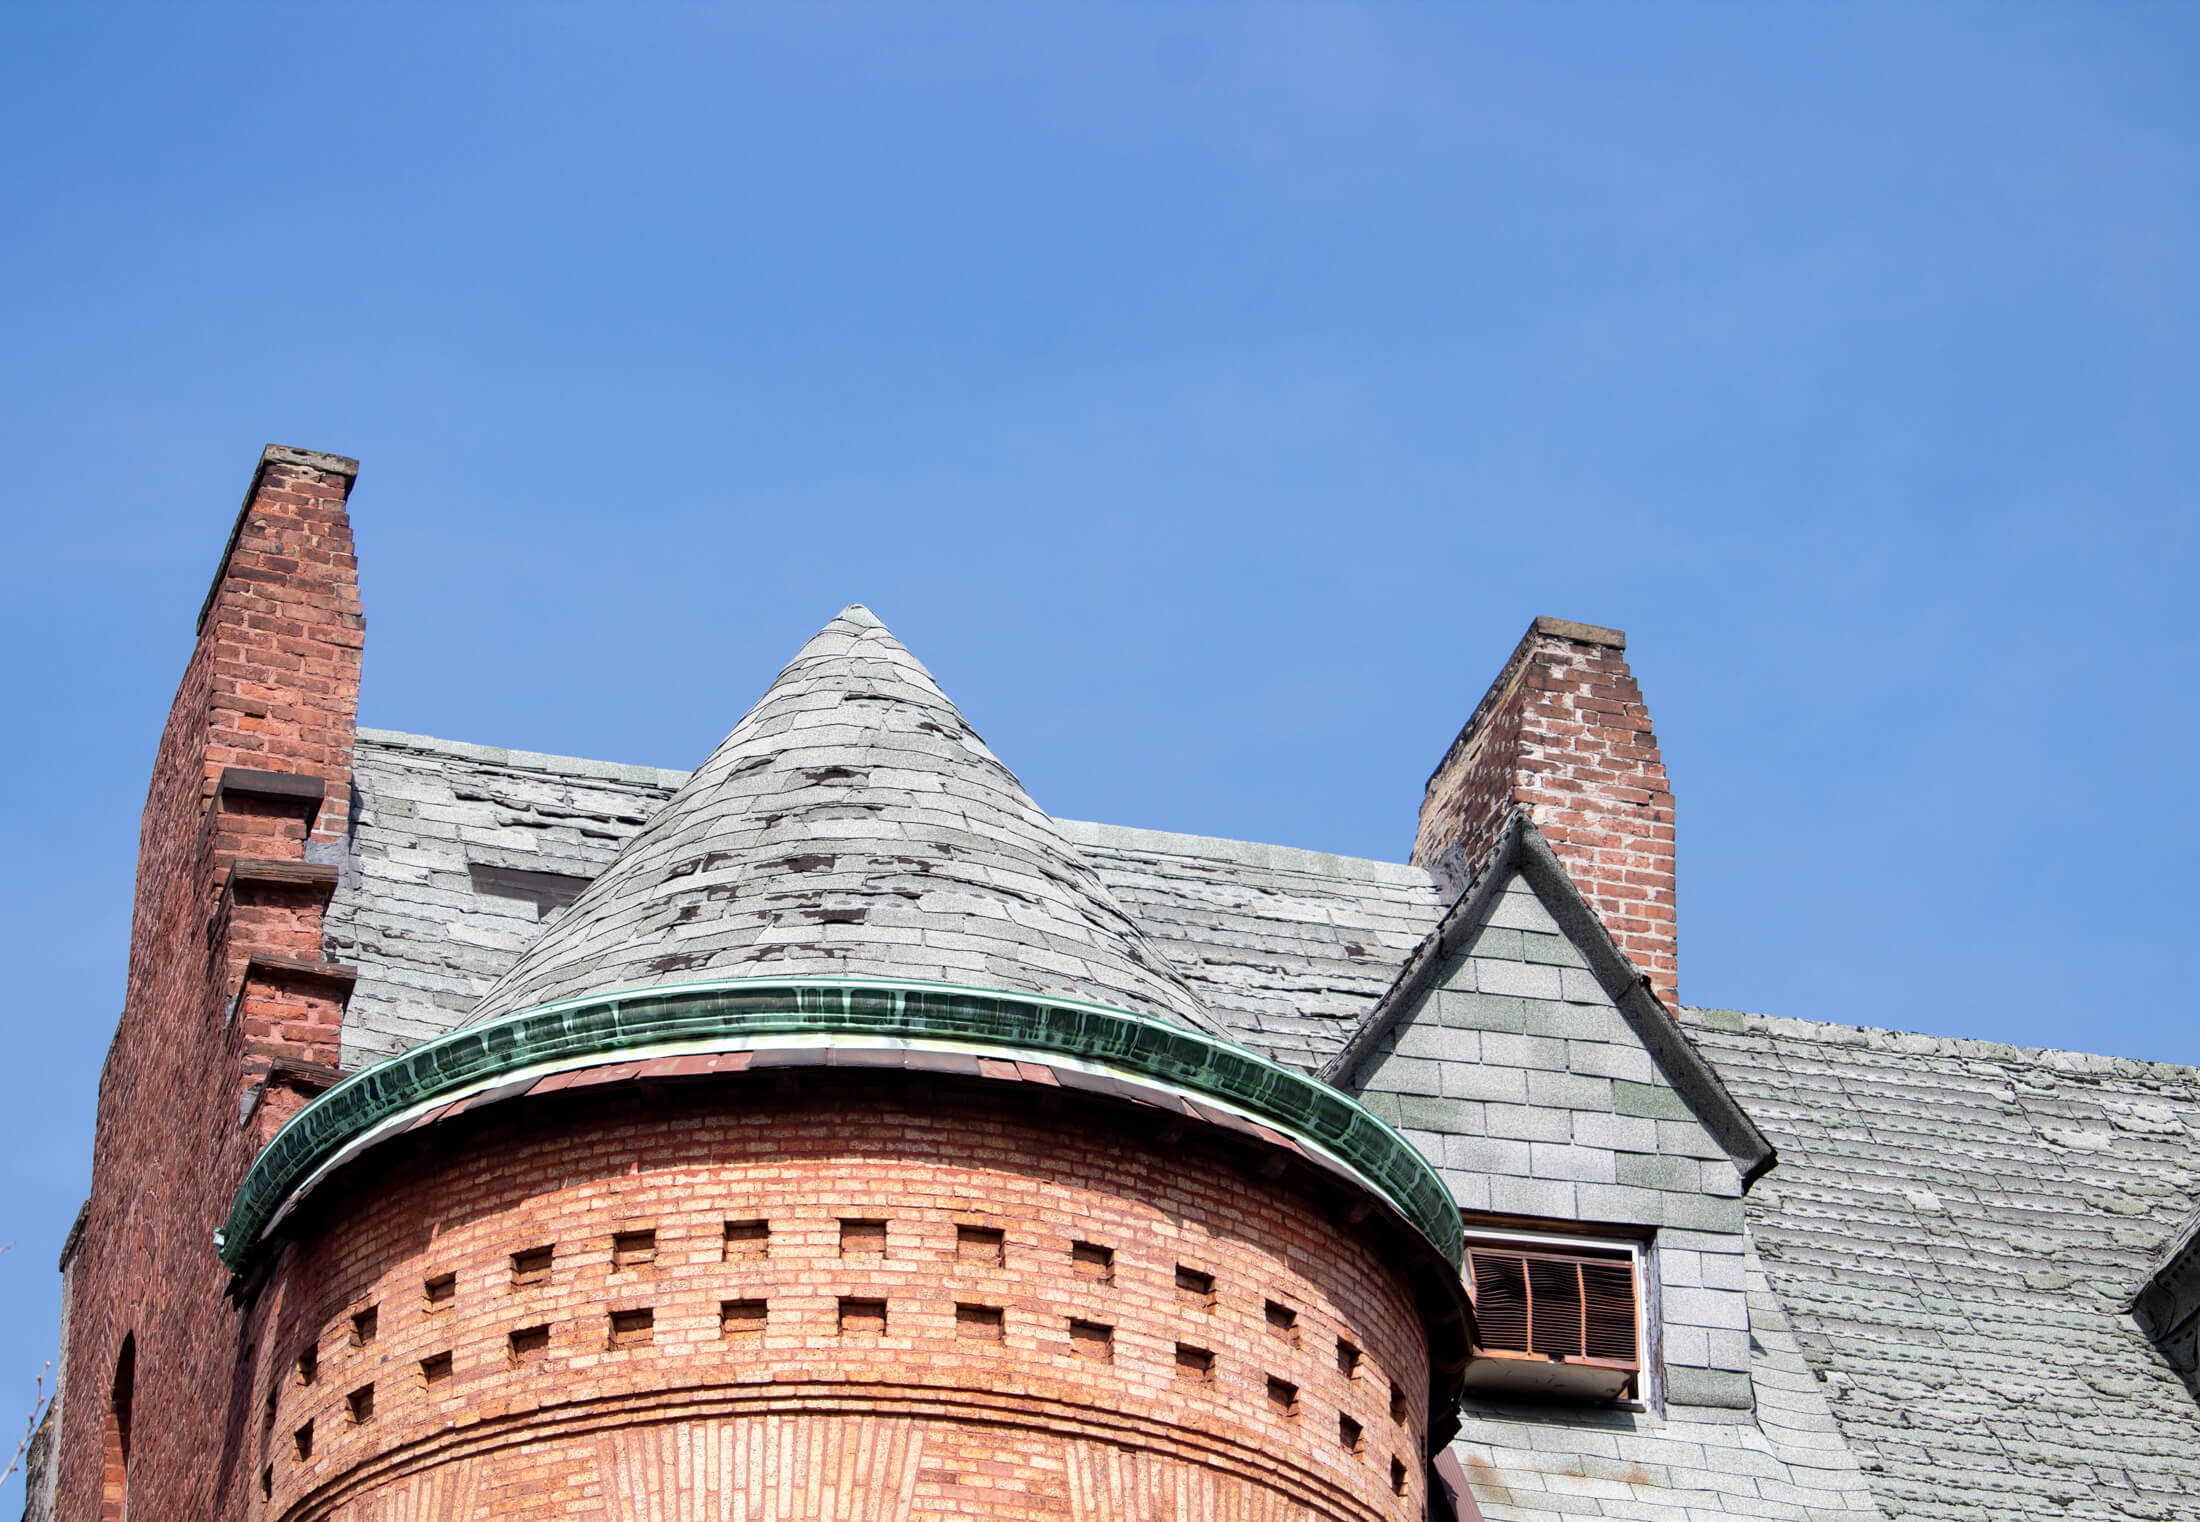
(1209, 394)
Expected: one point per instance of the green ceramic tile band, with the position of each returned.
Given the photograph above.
(731, 1014)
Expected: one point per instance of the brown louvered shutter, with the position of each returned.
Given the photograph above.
(1560, 1305)
(1608, 1310)
(1501, 1300)
(1554, 1307)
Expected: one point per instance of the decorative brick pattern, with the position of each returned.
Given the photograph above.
(923, 1377)
(1564, 734)
(230, 1016)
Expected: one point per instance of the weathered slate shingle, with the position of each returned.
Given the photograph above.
(852, 824)
(1955, 1230)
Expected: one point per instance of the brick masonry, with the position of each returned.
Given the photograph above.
(1563, 733)
(230, 1016)
(935, 1318)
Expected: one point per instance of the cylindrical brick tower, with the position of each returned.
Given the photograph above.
(844, 1152)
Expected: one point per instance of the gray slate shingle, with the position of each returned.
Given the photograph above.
(852, 824)
(1954, 1230)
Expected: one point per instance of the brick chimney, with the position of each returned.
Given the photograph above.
(231, 1012)
(1563, 735)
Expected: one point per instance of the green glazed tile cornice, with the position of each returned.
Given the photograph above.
(735, 1014)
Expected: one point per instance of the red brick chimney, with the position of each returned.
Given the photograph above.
(1564, 736)
(231, 1013)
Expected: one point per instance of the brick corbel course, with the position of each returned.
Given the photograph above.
(1563, 734)
(228, 986)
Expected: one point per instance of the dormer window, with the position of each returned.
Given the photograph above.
(1555, 1317)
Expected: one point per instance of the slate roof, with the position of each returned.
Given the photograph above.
(1955, 1230)
(1287, 948)
(852, 824)
(1290, 948)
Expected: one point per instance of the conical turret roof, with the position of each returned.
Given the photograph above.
(852, 825)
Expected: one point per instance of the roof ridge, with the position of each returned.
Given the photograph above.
(1924, 1043)
(1251, 853)
(521, 760)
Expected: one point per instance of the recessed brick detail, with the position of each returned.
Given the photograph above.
(1028, 1371)
(1564, 735)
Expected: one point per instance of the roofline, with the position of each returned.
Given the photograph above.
(1244, 853)
(1521, 848)
(1927, 1044)
(523, 760)
(510, 1054)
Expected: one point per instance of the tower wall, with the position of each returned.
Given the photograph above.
(764, 1381)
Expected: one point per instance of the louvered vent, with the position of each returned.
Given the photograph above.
(1553, 1322)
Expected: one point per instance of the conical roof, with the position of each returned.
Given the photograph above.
(852, 825)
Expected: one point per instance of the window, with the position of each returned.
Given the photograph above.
(364, 1325)
(435, 1369)
(1283, 1396)
(440, 1293)
(1194, 1363)
(1089, 1260)
(747, 1239)
(1555, 1316)
(361, 1405)
(532, 1266)
(741, 1318)
(862, 1239)
(1283, 1322)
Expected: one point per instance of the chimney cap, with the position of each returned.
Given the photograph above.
(1586, 634)
(312, 459)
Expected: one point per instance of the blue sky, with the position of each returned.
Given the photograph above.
(1209, 394)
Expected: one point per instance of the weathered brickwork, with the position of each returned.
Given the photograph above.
(1564, 734)
(228, 1000)
(851, 1290)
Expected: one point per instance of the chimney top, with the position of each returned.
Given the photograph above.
(1587, 634)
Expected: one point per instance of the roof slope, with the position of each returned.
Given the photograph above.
(1290, 948)
(1955, 1229)
(851, 825)
(447, 839)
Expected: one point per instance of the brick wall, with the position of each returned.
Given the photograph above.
(1563, 733)
(931, 1302)
(227, 998)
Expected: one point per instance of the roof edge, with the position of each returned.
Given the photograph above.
(523, 760)
(731, 1013)
(1521, 848)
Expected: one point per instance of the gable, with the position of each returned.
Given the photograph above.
(1519, 1077)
